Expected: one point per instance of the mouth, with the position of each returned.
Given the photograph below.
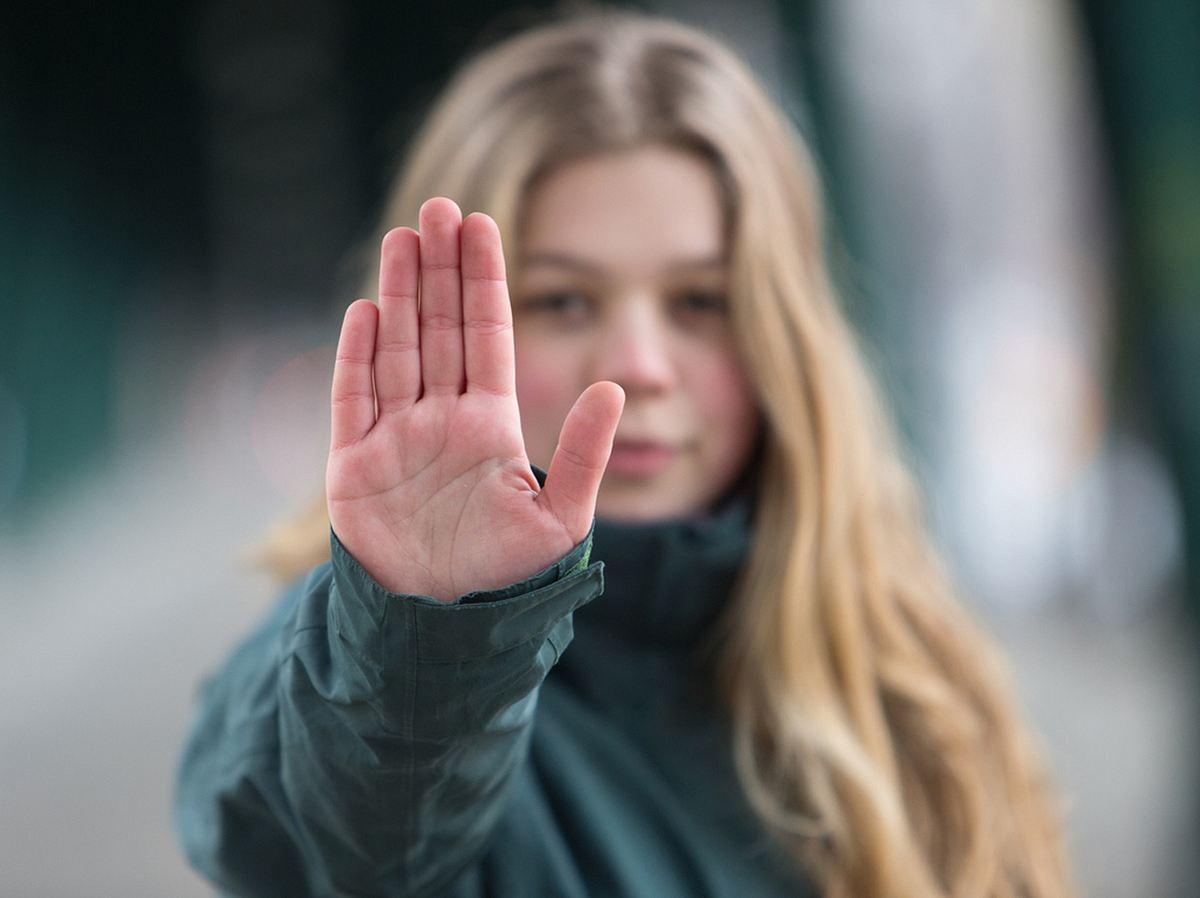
(641, 458)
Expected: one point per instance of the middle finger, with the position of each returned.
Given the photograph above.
(441, 297)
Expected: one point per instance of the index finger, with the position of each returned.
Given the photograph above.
(487, 314)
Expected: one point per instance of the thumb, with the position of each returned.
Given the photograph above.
(584, 445)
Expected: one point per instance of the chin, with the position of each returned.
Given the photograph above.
(642, 509)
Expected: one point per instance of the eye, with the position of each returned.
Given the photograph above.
(702, 302)
(565, 307)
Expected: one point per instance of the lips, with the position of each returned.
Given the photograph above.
(640, 458)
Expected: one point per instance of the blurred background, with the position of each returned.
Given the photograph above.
(1015, 190)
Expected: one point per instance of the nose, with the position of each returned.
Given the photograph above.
(636, 350)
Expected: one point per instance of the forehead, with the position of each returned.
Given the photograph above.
(634, 209)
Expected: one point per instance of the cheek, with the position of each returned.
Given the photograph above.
(726, 395)
(546, 389)
(728, 405)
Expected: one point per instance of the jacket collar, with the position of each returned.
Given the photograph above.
(666, 582)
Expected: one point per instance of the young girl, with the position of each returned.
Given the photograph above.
(776, 694)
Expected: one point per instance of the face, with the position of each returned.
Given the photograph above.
(624, 277)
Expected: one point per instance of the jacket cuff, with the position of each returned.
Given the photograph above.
(473, 626)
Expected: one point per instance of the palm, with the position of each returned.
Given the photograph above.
(423, 487)
(428, 483)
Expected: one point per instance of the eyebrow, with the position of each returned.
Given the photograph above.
(565, 260)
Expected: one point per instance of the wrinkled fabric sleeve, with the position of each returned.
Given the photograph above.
(361, 742)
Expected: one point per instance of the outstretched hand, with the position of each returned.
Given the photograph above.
(428, 484)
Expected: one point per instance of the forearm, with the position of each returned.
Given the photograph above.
(399, 723)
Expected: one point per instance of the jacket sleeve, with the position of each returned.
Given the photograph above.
(362, 742)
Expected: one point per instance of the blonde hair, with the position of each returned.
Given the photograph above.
(873, 725)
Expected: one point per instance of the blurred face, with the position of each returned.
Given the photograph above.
(624, 276)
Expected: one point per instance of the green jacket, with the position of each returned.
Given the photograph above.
(363, 743)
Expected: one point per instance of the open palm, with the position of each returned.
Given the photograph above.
(428, 484)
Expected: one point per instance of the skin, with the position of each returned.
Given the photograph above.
(624, 278)
(428, 483)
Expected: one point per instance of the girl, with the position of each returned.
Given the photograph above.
(777, 693)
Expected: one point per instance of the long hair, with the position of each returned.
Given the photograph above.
(874, 728)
